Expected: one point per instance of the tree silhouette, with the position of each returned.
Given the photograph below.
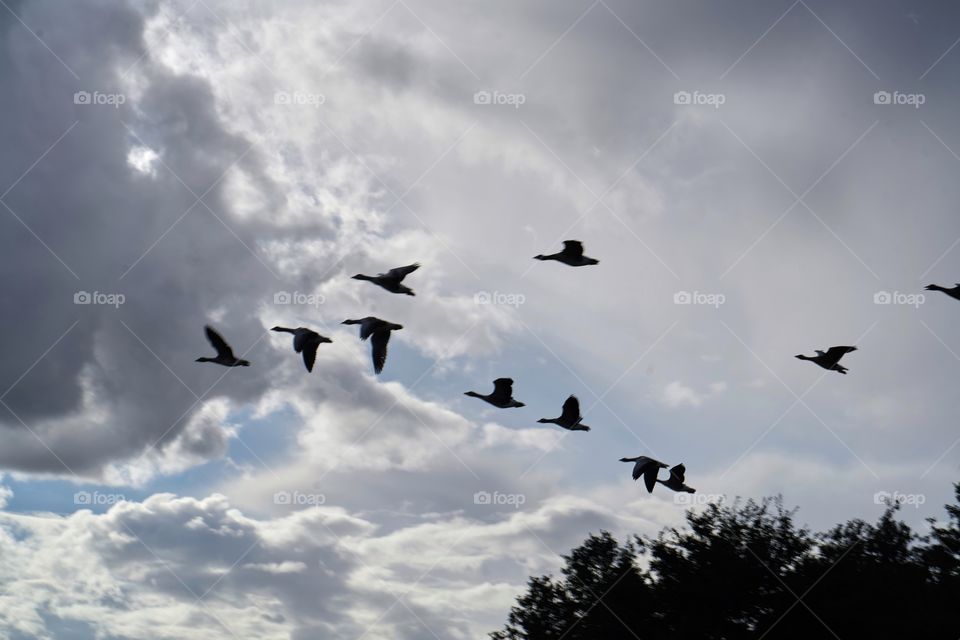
(746, 570)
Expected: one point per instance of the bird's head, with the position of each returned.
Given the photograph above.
(359, 276)
(543, 420)
(800, 356)
(325, 339)
(350, 322)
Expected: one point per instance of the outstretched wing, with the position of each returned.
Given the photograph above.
(309, 353)
(402, 272)
(223, 349)
(502, 388)
(650, 474)
(379, 349)
(573, 248)
(834, 354)
(366, 328)
(678, 472)
(571, 411)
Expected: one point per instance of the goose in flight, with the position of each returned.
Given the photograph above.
(646, 467)
(570, 417)
(502, 395)
(830, 359)
(224, 352)
(649, 468)
(391, 280)
(306, 342)
(953, 293)
(380, 331)
(572, 255)
(675, 481)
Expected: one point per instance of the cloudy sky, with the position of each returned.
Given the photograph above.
(758, 180)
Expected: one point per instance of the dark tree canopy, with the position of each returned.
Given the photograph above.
(746, 570)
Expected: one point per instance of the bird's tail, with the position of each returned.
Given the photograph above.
(580, 427)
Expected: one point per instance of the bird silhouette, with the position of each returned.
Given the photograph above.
(675, 481)
(224, 352)
(379, 330)
(572, 255)
(569, 418)
(391, 280)
(502, 395)
(953, 293)
(646, 467)
(305, 341)
(830, 359)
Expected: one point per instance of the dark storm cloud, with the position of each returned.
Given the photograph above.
(90, 222)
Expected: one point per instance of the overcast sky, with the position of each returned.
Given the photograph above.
(789, 169)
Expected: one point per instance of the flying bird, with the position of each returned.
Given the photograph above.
(953, 293)
(675, 481)
(646, 467)
(570, 417)
(305, 341)
(380, 332)
(502, 395)
(830, 359)
(572, 255)
(391, 280)
(224, 352)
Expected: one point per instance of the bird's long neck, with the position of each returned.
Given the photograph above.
(285, 329)
(361, 276)
(473, 394)
(936, 287)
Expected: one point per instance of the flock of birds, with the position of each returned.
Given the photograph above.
(306, 341)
